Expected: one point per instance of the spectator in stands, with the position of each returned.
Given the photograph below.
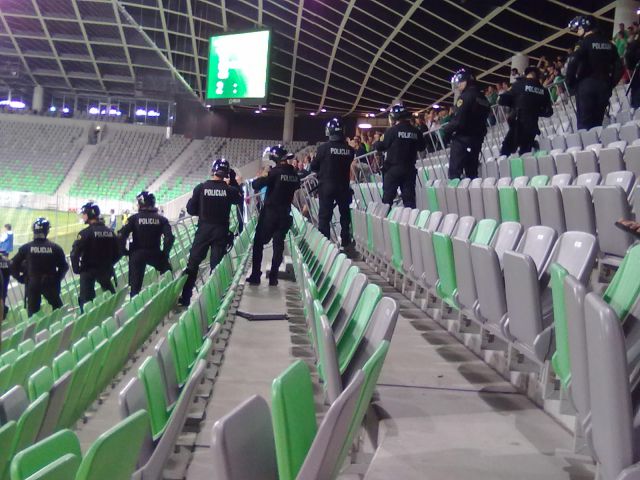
(358, 147)
(468, 126)
(40, 265)
(515, 74)
(528, 100)
(620, 42)
(593, 70)
(275, 217)
(182, 214)
(621, 31)
(149, 231)
(211, 202)
(4, 282)
(502, 87)
(93, 255)
(543, 63)
(125, 217)
(492, 95)
(6, 239)
(402, 142)
(112, 219)
(632, 59)
(333, 165)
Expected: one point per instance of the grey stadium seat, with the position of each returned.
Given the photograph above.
(242, 443)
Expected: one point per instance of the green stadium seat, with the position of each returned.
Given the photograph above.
(7, 437)
(40, 382)
(294, 419)
(42, 460)
(151, 378)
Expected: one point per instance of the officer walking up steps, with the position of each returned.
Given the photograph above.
(41, 266)
(528, 100)
(333, 164)
(593, 70)
(211, 202)
(149, 229)
(467, 127)
(402, 142)
(275, 217)
(93, 254)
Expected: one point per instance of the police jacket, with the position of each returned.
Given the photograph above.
(4, 268)
(470, 116)
(96, 248)
(632, 55)
(147, 228)
(211, 202)
(594, 56)
(39, 258)
(333, 163)
(281, 182)
(528, 100)
(402, 142)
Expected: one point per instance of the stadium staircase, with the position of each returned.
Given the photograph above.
(76, 169)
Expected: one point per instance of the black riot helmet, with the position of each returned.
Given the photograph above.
(220, 168)
(146, 199)
(278, 154)
(462, 75)
(398, 112)
(586, 22)
(41, 228)
(334, 129)
(91, 210)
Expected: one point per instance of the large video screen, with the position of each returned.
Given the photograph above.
(238, 68)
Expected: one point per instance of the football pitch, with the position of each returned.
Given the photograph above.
(64, 225)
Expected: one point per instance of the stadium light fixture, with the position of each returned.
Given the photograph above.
(263, 108)
(313, 114)
(141, 112)
(65, 110)
(52, 108)
(258, 111)
(17, 104)
(364, 126)
(436, 106)
(153, 113)
(94, 111)
(323, 110)
(382, 109)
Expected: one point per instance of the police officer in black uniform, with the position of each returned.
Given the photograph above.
(149, 230)
(593, 70)
(402, 142)
(333, 164)
(275, 216)
(233, 182)
(93, 254)
(41, 266)
(211, 202)
(467, 127)
(528, 101)
(5, 275)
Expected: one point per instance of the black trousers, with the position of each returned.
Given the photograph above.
(329, 197)
(635, 91)
(519, 138)
(592, 99)
(464, 157)
(208, 236)
(399, 177)
(138, 261)
(273, 223)
(88, 281)
(47, 286)
(4, 290)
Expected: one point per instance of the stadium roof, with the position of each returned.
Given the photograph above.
(345, 56)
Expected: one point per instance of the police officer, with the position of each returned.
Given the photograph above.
(333, 164)
(593, 69)
(233, 182)
(93, 254)
(41, 266)
(4, 280)
(402, 142)
(467, 127)
(528, 101)
(211, 202)
(275, 219)
(149, 229)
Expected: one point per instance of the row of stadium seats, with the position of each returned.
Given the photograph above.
(124, 161)
(36, 157)
(351, 342)
(527, 289)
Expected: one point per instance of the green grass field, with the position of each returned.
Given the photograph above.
(64, 225)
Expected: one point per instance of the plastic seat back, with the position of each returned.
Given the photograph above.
(242, 443)
(326, 449)
(30, 422)
(42, 460)
(151, 377)
(7, 436)
(578, 209)
(13, 404)
(610, 203)
(611, 409)
(294, 419)
(537, 243)
(99, 459)
(41, 381)
(57, 398)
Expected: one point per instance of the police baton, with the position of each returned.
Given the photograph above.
(633, 75)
